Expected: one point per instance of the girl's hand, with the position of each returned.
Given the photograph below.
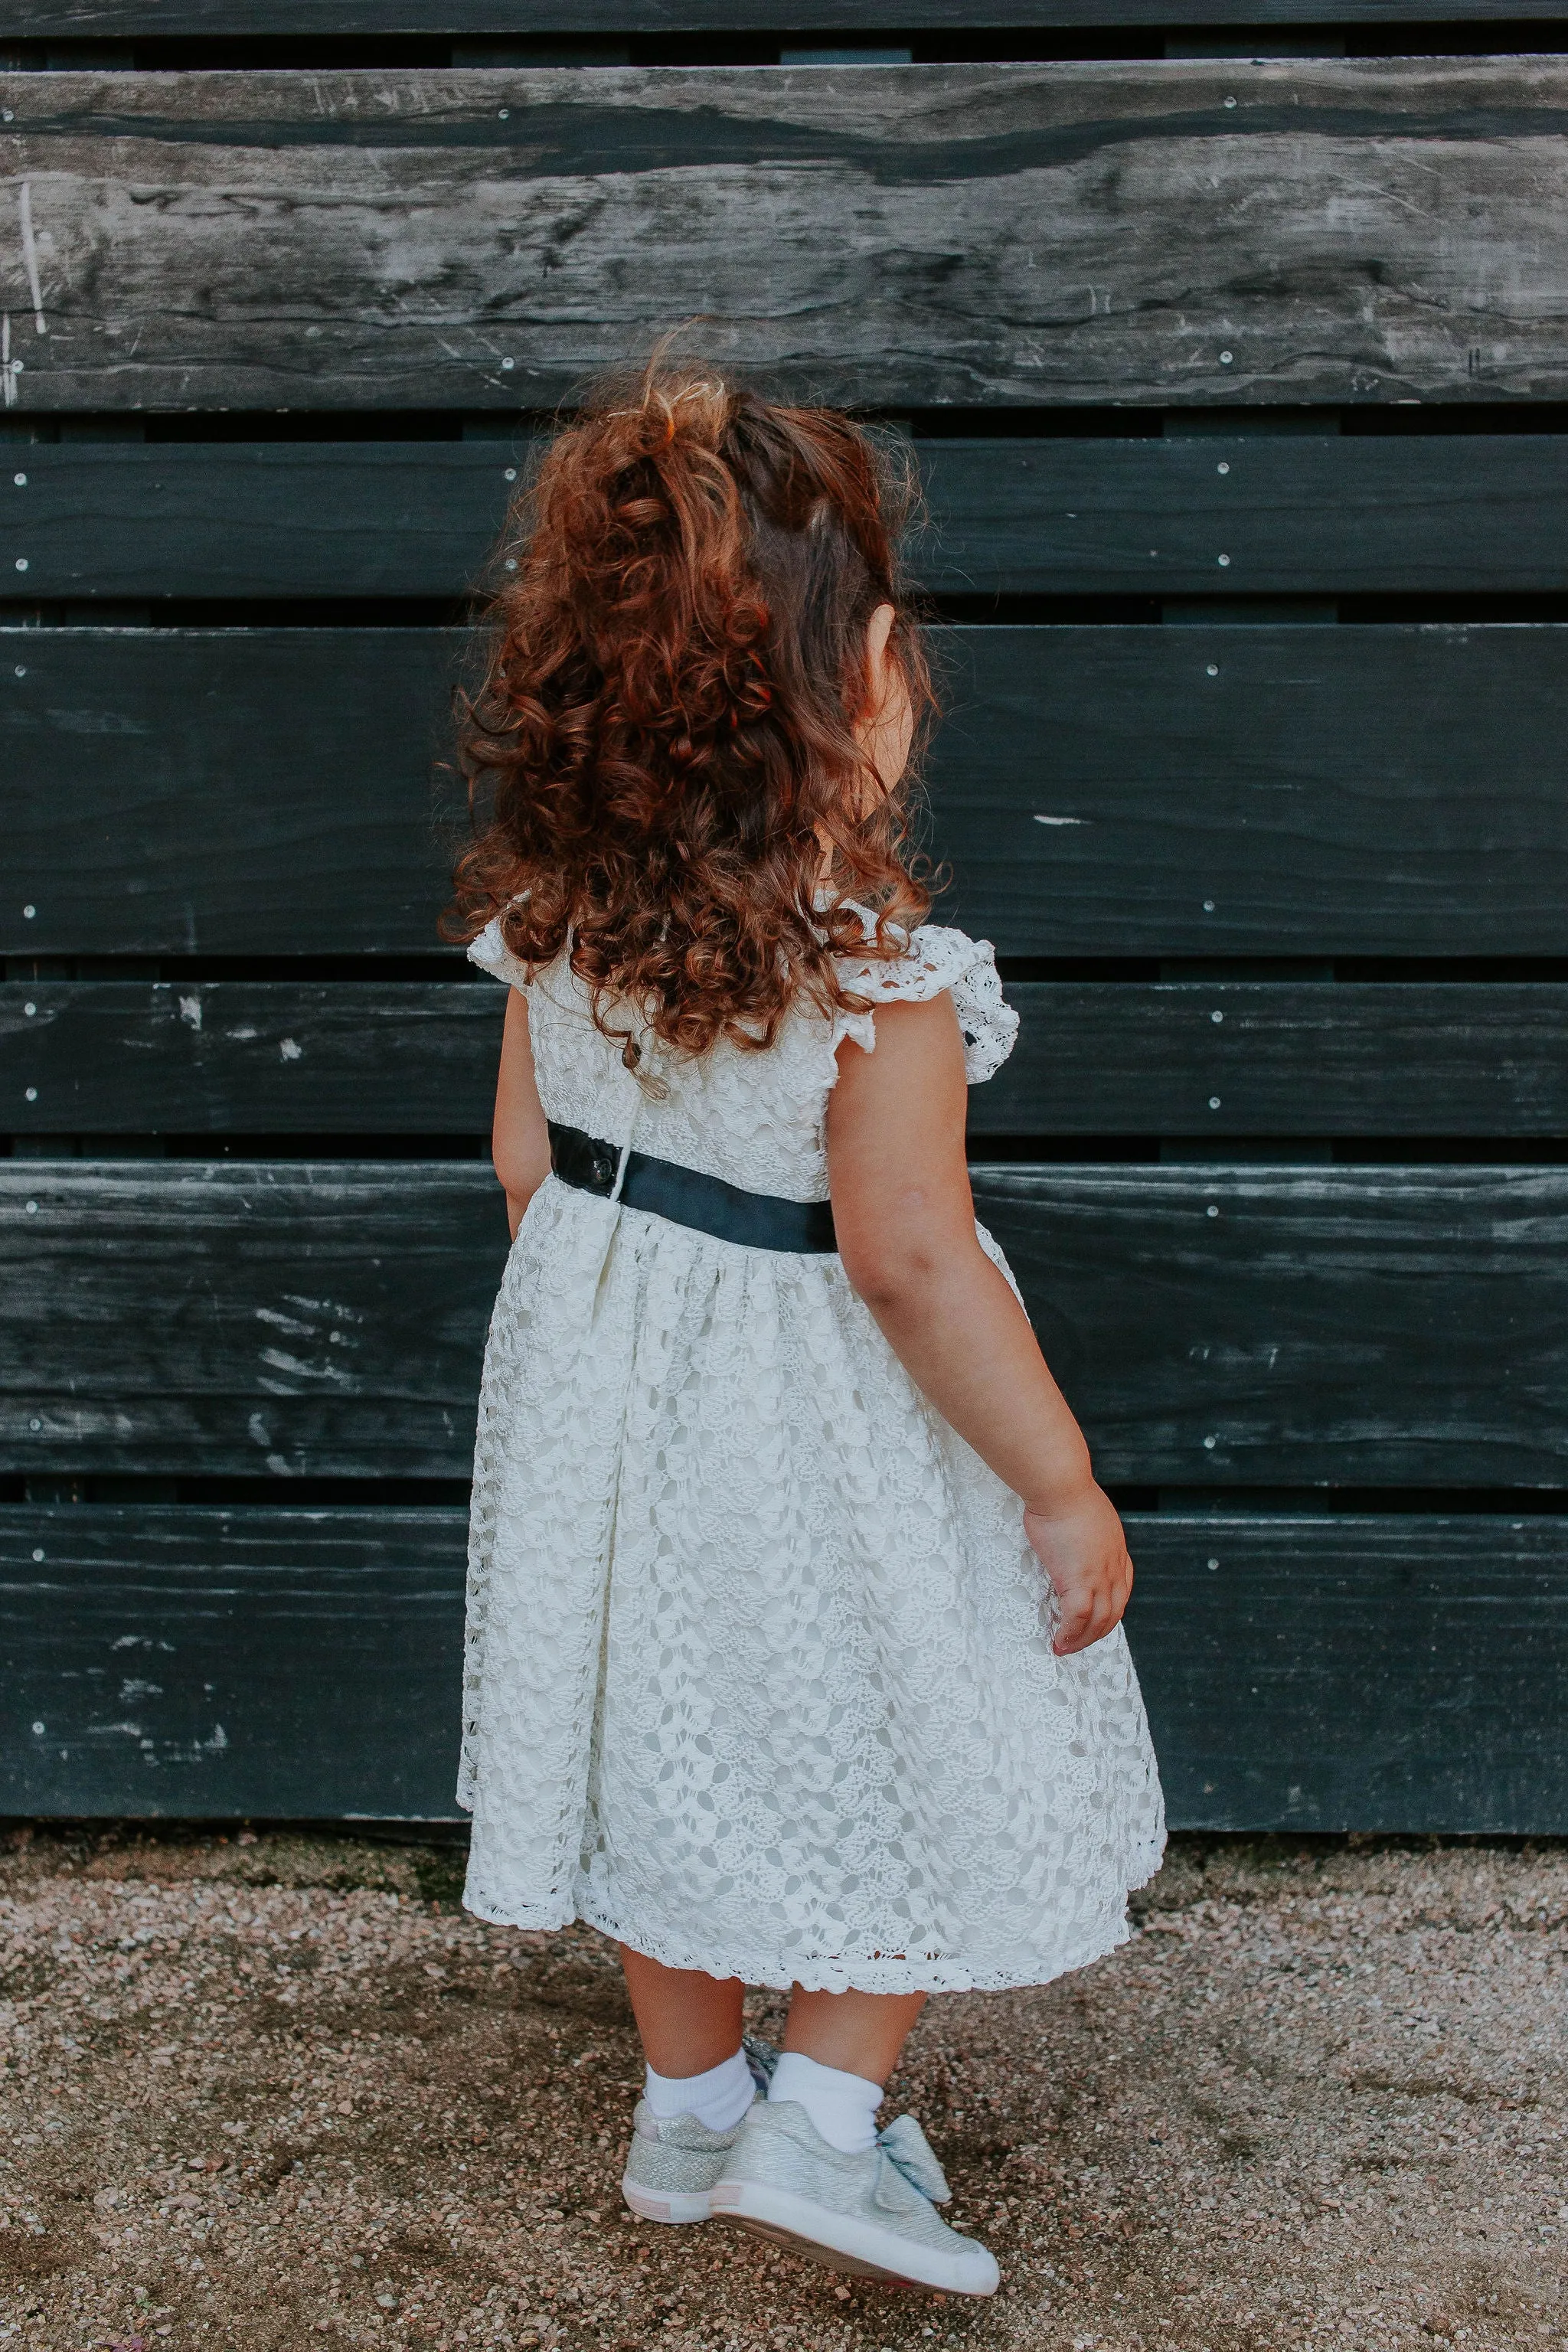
(1083, 1551)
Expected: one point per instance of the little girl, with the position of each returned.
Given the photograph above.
(793, 1648)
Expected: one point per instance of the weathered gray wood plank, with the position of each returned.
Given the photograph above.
(1182, 791)
(1277, 515)
(1376, 1673)
(1183, 231)
(186, 19)
(286, 1057)
(1213, 1327)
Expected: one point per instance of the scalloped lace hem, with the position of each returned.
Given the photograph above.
(953, 1974)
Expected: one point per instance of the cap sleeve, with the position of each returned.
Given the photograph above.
(939, 959)
(491, 954)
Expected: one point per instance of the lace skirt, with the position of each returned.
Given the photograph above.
(759, 1676)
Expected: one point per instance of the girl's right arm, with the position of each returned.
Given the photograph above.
(519, 1138)
(905, 1223)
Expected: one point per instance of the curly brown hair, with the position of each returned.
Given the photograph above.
(662, 761)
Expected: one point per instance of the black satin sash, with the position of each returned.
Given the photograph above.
(686, 1197)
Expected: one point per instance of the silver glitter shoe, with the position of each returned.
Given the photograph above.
(671, 2166)
(872, 2213)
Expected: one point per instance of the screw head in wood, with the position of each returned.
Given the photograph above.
(28, 913)
(1223, 466)
(1211, 668)
(32, 1094)
(1225, 358)
(1214, 1102)
(20, 481)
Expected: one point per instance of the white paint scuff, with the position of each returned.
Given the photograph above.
(30, 258)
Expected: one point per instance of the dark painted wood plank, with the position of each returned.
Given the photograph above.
(931, 234)
(1182, 791)
(275, 1319)
(323, 838)
(1213, 1327)
(266, 519)
(1277, 514)
(1385, 1672)
(194, 1057)
(1365, 1327)
(1378, 1673)
(1271, 790)
(186, 19)
(284, 1663)
(1190, 1058)
(1289, 514)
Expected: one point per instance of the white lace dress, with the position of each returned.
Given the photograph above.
(758, 1674)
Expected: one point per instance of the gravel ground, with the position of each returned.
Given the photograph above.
(279, 2090)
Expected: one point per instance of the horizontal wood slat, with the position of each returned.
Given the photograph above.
(129, 1057)
(1274, 514)
(987, 234)
(1348, 1059)
(1277, 514)
(1387, 1672)
(1179, 791)
(1374, 1672)
(1211, 1326)
(204, 1661)
(269, 1319)
(1256, 791)
(176, 1057)
(846, 19)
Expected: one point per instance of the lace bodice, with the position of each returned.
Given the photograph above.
(757, 1121)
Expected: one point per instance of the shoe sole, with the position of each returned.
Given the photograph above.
(838, 2241)
(674, 2206)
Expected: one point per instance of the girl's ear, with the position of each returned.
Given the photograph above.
(879, 630)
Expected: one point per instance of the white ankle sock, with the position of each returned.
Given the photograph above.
(842, 2107)
(717, 2098)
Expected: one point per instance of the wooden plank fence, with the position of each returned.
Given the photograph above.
(1233, 385)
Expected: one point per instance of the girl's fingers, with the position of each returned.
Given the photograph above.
(1090, 1613)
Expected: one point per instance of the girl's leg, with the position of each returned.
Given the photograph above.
(688, 2021)
(839, 2050)
(859, 2032)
